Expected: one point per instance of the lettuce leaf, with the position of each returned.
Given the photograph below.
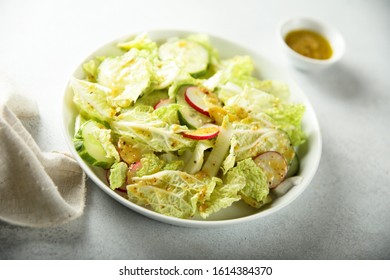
(168, 114)
(237, 70)
(174, 165)
(276, 88)
(172, 161)
(128, 76)
(254, 136)
(172, 193)
(150, 164)
(140, 42)
(228, 91)
(238, 67)
(223, 196)
(256, 187)
(152, 98)
(91, 69)
(91, 100)
(285, 116)
(150, 130)
(118, 175)
(253, 100)
(163, 72)
(288, 117)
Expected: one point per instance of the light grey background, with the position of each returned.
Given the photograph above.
(344, 214)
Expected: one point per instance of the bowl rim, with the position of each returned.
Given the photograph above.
(191, 222)
(326, 26)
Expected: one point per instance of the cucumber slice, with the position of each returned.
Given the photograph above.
(190, 56)
(187, 115)
(90, 148)
(294, 167)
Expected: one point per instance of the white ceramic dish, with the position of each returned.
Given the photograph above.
(309, 153)
(305, 63)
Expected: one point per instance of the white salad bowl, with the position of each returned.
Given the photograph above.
(309, 153)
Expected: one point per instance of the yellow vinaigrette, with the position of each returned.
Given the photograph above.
(309, 43)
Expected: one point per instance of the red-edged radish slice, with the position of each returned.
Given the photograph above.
(163, 103)
(131, 172)
(195, 98)
(187, 115)
(274, 166)
(135, 167)
(203, 133)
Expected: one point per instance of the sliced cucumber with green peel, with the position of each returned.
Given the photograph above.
(187, 115)
(89, 146)
(190, 56)
(294, 167)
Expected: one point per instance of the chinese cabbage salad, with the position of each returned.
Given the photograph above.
(182, 131)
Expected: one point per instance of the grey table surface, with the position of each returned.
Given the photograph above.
(345, 212)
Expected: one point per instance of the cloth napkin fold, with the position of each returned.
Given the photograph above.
(37, 189)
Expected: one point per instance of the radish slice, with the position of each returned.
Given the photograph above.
(187, 115)
(163, 103)
(135, 167)
(274, 166)
(195, 98)
(203, 133)
(131, 172)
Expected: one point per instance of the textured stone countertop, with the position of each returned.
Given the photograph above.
(343, 214)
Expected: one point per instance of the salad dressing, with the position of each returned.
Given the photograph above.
(309, 43)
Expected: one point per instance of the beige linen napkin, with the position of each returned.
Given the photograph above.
(36, 189)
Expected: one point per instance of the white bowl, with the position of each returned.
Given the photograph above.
(309, 153)
(305, 63)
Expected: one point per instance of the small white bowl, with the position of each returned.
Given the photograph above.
(305, 63)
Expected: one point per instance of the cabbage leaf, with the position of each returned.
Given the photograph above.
(172, 193)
